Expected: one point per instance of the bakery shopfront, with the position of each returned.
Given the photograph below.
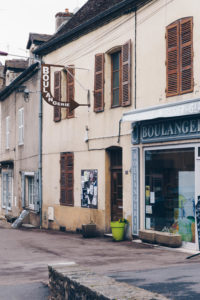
(166, 169)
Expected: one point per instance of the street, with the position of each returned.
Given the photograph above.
(25, 254)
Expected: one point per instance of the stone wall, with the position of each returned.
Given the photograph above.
(73, 282)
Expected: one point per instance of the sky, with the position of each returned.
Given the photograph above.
(20, 17)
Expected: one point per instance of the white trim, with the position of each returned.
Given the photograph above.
(188, 107)
(29, 173)
(11, 192)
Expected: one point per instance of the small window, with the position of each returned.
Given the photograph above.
(30, 191)
(7, 186)
(21, 125)
(116, 78)
(7, 132)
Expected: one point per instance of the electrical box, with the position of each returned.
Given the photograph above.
(50, 213)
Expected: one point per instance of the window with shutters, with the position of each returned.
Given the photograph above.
(57, 95)
(116, 78)
(99, 83)
(120, 77)
(70, 89)
(179, 46)
(67, 179)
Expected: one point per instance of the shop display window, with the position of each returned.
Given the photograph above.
(170, 191)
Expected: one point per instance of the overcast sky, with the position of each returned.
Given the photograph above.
(19, 17)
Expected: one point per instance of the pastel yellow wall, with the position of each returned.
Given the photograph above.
(69, 134)
(151, 50)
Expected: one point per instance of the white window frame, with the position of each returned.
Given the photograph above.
(30, 191)
(7, 132)
(21, 126)
(4, 201)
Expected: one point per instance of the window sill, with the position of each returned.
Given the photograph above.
(9, 208)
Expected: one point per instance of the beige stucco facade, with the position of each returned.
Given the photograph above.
(19, 158)
(103, 128)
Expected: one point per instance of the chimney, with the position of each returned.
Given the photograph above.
(62, 17)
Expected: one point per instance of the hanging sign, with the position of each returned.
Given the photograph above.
(46, 88)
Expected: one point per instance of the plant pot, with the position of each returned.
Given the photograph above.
(117, 230)
(89, 230)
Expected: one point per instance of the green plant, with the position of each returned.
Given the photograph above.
(123, 220)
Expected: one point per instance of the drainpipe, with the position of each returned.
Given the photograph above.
(135, 102)
(40, 148)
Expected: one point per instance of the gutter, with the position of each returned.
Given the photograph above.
(123, 7)
(24, 76)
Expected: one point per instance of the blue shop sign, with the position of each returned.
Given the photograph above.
(163, 130)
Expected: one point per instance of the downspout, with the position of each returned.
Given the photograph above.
(40, 149)
(135, 102)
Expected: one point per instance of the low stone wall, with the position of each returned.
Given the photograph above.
(73, 282)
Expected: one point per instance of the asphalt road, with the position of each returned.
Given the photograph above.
(25, 255)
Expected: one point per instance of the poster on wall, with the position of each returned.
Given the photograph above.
(89, 187)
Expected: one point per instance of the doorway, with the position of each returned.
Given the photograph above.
(116, 183)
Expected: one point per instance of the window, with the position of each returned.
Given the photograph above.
(30, 190)
(120, 77)
(30, 183)
(7, 182)
(7, 132)
(116, 78)
(179, 43)
(57, 95)
(21, 125)
(170, 191)
(67, 179)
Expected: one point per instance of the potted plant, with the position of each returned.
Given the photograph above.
(118, 229)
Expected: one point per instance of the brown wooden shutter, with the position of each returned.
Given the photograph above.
(70, 89)
(57, 95)
(186, 55)
(99, 83)
(126, 74)
(67, 179)
(172, 40)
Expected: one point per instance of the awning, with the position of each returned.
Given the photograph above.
(189, 107)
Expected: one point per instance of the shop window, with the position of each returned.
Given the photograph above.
(179, 43)
(170, 191)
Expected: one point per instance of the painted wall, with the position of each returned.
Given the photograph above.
(69, 134)
(24, 157)
(151, 69)
(151, 50)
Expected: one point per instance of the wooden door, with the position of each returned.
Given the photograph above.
(116, 185)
